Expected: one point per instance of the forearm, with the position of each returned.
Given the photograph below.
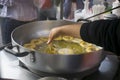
(71, 30)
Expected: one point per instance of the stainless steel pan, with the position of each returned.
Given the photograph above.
(51, 63)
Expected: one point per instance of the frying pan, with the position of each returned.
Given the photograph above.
(50, 63)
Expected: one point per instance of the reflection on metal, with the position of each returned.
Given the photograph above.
(52, 78)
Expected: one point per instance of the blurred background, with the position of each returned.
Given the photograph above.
(58, 12)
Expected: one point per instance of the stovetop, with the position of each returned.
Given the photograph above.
(10, 69)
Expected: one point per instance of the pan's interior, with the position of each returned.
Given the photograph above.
(61, 45)
(26, 32)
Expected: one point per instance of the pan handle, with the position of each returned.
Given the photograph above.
(10, 50)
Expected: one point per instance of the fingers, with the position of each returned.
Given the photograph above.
(50, 38)
(55, 32)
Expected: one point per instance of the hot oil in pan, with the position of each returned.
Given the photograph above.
(61, 45)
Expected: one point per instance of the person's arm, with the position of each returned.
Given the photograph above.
(104, 33)
(70, 30)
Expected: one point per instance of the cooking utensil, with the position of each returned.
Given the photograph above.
(51, 63)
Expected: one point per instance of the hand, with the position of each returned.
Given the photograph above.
(55, 32)
(69, 30)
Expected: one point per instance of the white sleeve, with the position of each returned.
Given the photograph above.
(6, 2)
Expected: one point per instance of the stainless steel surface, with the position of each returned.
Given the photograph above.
(1, 44)
(10, 69)
(52, 78)
(53, 63)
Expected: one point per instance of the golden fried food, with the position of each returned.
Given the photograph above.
(65, 45)
(36, 41)
(90, 49)
(84, 44)
(65, 51)
(67, 38)
(58, 38)
(76, 40)
(43, 39)
(30, 46)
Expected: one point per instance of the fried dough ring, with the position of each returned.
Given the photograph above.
(90, 49)
(29, 46)
(76, 40)
(65, 51)
(83, 44)
(67, 38)
(43, 39)
(59, 38)
(36, 41)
